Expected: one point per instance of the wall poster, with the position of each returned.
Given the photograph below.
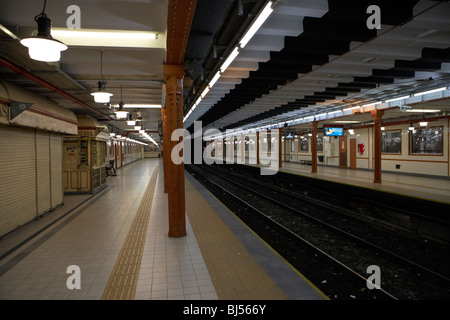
(426, 141)
(391, 142)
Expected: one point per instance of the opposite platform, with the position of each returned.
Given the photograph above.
(421, 187)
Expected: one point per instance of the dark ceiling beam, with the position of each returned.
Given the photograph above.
(374, 80)
(305, 45)
(435, 54)
(417, 65)
(393, 73)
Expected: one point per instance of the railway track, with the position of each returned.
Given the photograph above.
(396, 213)
(344, 256)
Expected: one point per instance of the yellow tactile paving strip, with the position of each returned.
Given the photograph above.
(124, 276)
(234, 272)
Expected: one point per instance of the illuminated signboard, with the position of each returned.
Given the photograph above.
(333, 130)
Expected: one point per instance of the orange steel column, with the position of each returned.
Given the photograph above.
(314, 147)
(166, 156)
(174, 75)
(280, 159)
(377, 115)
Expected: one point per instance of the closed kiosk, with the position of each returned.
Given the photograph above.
(84, 158)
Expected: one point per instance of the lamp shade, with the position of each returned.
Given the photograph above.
(101, 96)
(120, 113)
(43, 47)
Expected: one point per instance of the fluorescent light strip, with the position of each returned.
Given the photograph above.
(396, 99)
(141, 106)
(205, 92)
(430, 91)
(423, 110)
(262, 17)
(265, 13)
(333, 112)
(351, 108)
(371, 104)
(103, 33)
(229, 60)
(214, 79)
(106, 38)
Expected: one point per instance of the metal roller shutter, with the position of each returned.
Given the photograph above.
(17, 177)
(43, 172)
(56, 171)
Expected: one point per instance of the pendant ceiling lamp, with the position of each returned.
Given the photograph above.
(101, 95)
(423, 123)
(121, 113)
(43, 47)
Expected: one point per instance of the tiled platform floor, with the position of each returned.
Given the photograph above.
(91, 238)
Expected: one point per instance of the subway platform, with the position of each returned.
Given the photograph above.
(427, 187)
(118, 240)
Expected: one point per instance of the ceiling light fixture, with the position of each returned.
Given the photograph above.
(108, 38)
(351, 108)
(142, 106)
(43, 47)
(262, 17)
(230, 59)
(371, 104)
(423, 110)
(430, 91)
(214, 79)
(423, 123)
(120, 113)
(205, 92)
(131, 121)
(101, 95)
(396, 99)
